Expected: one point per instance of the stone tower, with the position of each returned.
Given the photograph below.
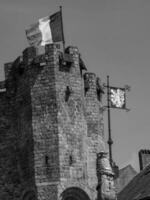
(51, 125)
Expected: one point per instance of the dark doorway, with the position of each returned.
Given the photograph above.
(70, 198)
(74, 193)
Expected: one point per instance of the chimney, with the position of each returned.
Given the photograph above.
(144, 158)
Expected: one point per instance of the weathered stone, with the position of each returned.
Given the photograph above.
(49, 143)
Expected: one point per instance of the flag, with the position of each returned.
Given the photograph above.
(117, 97)
(57, 27)
(47, 30)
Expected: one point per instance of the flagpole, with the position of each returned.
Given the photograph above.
(62, 28)
(110, 142)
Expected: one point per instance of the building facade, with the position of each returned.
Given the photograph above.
(51, 123)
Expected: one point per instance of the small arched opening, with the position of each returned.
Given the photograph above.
(74, 193)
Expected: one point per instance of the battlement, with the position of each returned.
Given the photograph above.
(32, 56)
(2, 86)
(89, 81)
(70, 62)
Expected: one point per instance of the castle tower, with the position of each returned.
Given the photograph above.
(55, 127)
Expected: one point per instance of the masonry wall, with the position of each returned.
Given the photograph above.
(19, 106)
(8, 160)
(54, 127)
(14, 154)
(80, 127)
(45, 126)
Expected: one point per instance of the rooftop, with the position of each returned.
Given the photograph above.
(138, 188)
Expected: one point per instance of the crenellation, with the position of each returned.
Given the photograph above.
(7, 69)
(2, 87)
(90, 84)
(29, 54)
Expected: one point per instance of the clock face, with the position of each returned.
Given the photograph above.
(117, 97)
